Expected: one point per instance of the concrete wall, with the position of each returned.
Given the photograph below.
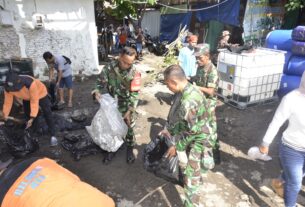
(69, 29)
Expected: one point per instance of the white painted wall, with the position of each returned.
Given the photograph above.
(69, 29)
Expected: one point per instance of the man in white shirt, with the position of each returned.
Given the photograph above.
(292, 148)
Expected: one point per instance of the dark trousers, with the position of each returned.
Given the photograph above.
(45, 106)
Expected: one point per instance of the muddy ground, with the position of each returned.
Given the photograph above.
(237, 182)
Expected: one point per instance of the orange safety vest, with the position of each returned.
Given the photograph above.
(47, 184)
(36, 91)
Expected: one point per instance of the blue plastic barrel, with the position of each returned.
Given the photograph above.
(296, 66)
(298, 33)
(279, 39)
(288, 83)
(298, 48)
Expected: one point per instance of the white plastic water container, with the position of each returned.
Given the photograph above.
(250, 77)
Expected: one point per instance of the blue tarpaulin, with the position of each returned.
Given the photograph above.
(172, 23)
(226, 11)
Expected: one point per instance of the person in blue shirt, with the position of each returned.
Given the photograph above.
(187, 59)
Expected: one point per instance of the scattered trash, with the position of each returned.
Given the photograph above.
(19, 141)
(79, 145)
(40, 125)
(79, 117)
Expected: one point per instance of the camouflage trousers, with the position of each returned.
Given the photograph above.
(216, 150)
(130, 137)
(199, 162)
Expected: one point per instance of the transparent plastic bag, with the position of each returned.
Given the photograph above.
(255, 154)
(108, 128)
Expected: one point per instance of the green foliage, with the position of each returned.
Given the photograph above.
(123, 8)
(294, 5)
(170, 58)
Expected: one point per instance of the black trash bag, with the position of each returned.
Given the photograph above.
(57, 107)
(52, 92)
(80, 145)
(156, 162)
(20, 142)
(61, 124)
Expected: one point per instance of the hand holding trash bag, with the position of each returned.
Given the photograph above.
(165, 133)
(171, 152)
(29, 123)
(264, 149)
(259, 153)
(96, 95)
(107, 128)
(156, 160)
(127, 118)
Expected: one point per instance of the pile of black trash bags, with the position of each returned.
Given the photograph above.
(155, 160)
(21, 142)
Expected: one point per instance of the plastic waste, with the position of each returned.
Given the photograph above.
(20, 142)
(254, 153)
(40, 125)
(108, 128)
(156, 162)
(79, 145)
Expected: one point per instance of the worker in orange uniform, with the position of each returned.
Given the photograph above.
(43, 183)
(34, 95)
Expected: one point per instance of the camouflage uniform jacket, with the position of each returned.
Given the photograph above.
(118, 87)
(207, 76)
(190, 120)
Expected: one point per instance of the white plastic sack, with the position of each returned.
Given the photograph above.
(254, 153)
(108, 128)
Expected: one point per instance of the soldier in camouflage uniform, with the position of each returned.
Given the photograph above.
(207, 80)
(190, 124)
(117, 79)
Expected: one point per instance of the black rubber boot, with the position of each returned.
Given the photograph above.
(108, 157)
(130, 158)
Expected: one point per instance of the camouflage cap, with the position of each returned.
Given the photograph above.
(201, 49)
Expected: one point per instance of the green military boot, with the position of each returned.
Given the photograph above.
(130, 157)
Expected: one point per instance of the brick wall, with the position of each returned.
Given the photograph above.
(68, 30)
(9, 42)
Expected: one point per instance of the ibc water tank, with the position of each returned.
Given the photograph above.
(279, 39)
